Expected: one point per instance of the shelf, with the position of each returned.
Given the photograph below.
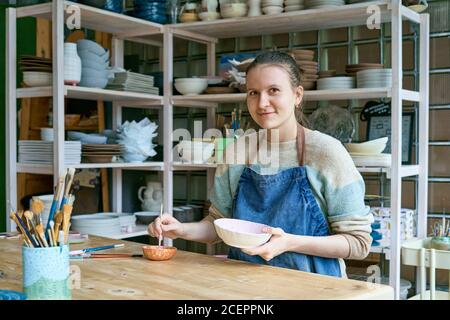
(48, 169)
(310, 95)
(85, 93)
(120, 25)
(139, 230)
(303, 20)
(178, 166)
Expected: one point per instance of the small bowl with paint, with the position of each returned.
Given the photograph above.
(159, 253)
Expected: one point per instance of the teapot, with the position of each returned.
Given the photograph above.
(153, 196)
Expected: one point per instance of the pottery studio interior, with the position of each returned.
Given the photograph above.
(225, 149)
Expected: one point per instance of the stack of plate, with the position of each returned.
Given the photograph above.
(37, 72)
(323, 4)
(31, 151)
(375, 78)
(352, 69)
(293, 5)
(135, 82)
(101, 153)
(309, 68)
(98, 224)
(336, 83)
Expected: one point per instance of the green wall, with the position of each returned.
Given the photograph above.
(26, 44)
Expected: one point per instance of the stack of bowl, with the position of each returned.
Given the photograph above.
(233, 10)
(272, 6)
(190, 86)
(293, 5)
(95, 64)
(154, 11)
(37, 79)
(352, 69)
(309, 68)
(323, 4)
(336, 83)
(374, 78)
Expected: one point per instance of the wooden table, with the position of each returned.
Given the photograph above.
(188, 276)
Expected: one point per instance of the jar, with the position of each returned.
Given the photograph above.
(72, 64)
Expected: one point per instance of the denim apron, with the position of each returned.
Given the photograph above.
(284, 200)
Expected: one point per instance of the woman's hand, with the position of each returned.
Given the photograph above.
(167, 226)
(278, 244)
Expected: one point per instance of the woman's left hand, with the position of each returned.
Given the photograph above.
(277, 245)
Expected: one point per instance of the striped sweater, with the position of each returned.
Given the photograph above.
(336, 184)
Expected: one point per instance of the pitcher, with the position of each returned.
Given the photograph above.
(153, 196)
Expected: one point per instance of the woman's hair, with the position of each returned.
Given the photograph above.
(288, 63)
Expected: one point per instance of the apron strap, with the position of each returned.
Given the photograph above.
(300, 144)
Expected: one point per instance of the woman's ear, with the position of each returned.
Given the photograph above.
(299, 95)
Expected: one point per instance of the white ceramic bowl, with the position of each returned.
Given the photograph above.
(369, 147)
(233, 10)
(47, 134)
(37, 79)
(272, 10)
(266, 3)
(195, 151)
(241, 233)
(191, 86)
(209, 16)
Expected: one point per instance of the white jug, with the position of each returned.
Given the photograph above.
(153, 196)
(72, 64)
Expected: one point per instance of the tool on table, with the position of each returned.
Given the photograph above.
(87, 250)
(106, 256)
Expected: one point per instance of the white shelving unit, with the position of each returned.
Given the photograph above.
(124, 27)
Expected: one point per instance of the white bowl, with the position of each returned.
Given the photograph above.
(266, 3)
(47, 134)
(233, 10)
(37, 79)
(209, 16)
(369, 147)
(195, 151)
(272, 10)
(192, 86)
(241, 233)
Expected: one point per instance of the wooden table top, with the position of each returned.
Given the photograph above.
(188, 276)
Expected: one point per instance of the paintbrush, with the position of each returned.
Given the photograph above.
(52, 232)
(41, 233)
(23, 229)
(160, 217)
(37, 206)
(27, 241)
(67, 212)
(29, 217)
(58, 222)
(56, 198)
(68, 185)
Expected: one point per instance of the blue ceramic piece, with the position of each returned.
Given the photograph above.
(376, 235)
(375, 244)
(376, 225)
(110, 5)
(12, 295)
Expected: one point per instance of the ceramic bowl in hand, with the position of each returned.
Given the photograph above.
(241, 233)
(158, 253)
(191, 86)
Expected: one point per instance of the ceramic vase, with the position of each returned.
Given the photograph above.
(254, 8)
(72, 64)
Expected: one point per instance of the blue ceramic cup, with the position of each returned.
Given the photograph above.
(46, 273)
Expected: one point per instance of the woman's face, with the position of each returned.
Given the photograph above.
(271, 99)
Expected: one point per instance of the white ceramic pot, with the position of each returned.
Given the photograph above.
(72, 64)
(254, 8)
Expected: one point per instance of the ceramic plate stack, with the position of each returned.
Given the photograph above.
(101, 153)
(98, 224)
(373, 160)
(336, 83)
(323, 4)
(154, 11)
(352, 69)
(293, 5)
(135, 82)
(272, 6)
(376, 78)
(95, 64)
(31, 151)
(309, 68)
(37, 72)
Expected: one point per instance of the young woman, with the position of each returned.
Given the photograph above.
(313, 200)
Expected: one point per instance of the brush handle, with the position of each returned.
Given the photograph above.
(27, 233)
(64, 201)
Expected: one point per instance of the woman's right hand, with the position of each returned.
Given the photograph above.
(167, 226)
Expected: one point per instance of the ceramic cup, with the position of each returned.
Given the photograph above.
(46, 273)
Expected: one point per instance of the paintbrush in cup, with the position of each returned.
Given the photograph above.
(67, 212)
(56, 198)
(26, 234)
(29, 217)
(37, 206)
(58, 222)
(52, 232)
(68, 184)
